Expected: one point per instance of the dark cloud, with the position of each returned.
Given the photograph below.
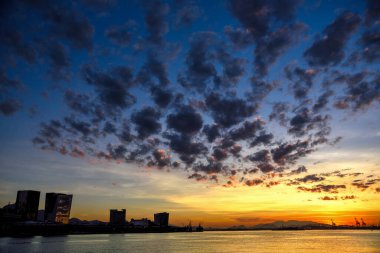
(210, 168)
(361, 90)
(8, 84)
(312, 178)
(262, 156)
(122, 34)
(109, 128)
(146, 121)
(363, 93)
(302, 80)
(270, 47)
(289, 153)
(322, 188)
(235, 150)
(247, 130)
(233, 68)
(161, 158)
(322, 101)
(186, 148)
(370, 43)
(199, 66)
(161, 97)
(212, 132)
(304, 121)
(187, 14)
(9, 107)
(71, 25)
(220, 154)
(240, 38)
(372, 12)
(124, 133)
(78, 102)
(329, 50)
(270, 24)
(263, 138)
(157, 27)
(253, 182)
(112, 89)
(266, 167)
(13, 39)
(228, 111)
(329, 198)
(260, 89)
(363, 185)
(59, 61)
(347, 197)
(79, 127)
(186, 120)
(258, 16)
(154, 70)
(197, 177)
(299, 170)
(117, 152)
(279, 111)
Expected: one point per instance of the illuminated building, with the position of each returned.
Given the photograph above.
(57, 207)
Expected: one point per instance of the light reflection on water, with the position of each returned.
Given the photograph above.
(237, 241)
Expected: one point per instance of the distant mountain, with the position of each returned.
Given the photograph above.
(289, 223)
(76, 221)
(280, 224)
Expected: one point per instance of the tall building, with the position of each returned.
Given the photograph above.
(27, 204)
(161, 219)
(58, 207)
(117, 217)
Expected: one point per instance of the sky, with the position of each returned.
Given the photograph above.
(227, 113)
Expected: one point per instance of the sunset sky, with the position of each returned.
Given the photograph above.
(220, 112)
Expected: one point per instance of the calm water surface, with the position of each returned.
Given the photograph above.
(237, 241)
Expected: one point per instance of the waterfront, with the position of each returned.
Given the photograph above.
(216, 241)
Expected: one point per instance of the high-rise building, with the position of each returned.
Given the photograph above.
(58, 207)
(27, 204)
(117, 217)
(161, 219)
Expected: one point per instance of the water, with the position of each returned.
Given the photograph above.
(231, 241)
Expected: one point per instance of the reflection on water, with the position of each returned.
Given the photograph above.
(238, 241)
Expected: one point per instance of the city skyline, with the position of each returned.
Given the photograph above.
(221, 112)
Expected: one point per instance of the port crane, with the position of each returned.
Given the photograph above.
(333, 223)
(363, 223)
(357, 222)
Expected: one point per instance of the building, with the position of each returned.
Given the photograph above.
(117, 217)
(8, 214)
(41, 215)
(58, 207)
(161, 219)
(27, 204)
(142, 223)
